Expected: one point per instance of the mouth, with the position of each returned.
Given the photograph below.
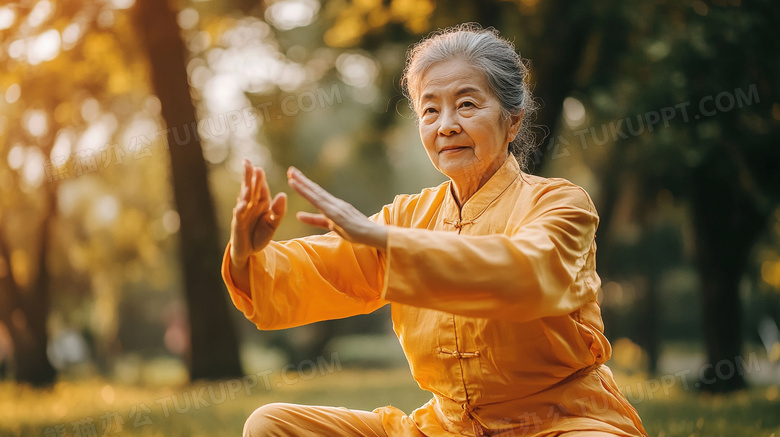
(452, 149)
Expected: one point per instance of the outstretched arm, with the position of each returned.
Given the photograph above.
(543, 267)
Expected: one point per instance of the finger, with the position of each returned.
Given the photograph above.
(311, 186)
(244, 215)
(318, 220)
(300, 189)
(313, 199)
(278, 209)
(264, 193)
(240, 206)
(239, 210)
(310, 191)
(252, 186)
(242, 185)
(246, 184)
(260, 198)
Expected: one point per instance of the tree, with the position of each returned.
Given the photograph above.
(24, 308)
(214, 345)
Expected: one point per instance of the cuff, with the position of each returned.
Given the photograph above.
(239, 297)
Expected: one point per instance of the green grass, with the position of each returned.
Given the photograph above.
(26, 411)
(748, 413)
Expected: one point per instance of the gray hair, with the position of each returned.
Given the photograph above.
(486, 50)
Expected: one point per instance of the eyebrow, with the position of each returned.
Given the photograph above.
(460, 92)
(466, 90)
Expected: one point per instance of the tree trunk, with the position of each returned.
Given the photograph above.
(727, 224)
(25, 313)
(214, 345)
(555, 60)
(650, 309)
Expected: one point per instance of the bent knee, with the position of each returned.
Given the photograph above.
(270, 420)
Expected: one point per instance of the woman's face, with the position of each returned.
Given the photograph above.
(461, 125)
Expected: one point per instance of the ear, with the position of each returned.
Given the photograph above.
(514, 124)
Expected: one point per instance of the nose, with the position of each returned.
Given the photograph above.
(448, 124)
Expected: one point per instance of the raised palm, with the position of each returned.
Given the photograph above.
(256, 216)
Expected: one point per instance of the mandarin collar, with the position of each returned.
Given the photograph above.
(487, 194)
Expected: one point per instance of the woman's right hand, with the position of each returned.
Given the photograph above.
(255, 216)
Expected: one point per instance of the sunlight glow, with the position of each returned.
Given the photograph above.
(248, 63)
(225, 92)
(139, 127)
(573, 112)
(67, 199)
(90, 109)
(13, 93)
(289, 14)
(122, 4)
(44, 48)
(106, 18)
(171, 221)
(16, 157)
(36, 122)
(7, 17)
(246, 32)
(244, 59)
(16, 49)
(98, 134)
(658, 50)
(40, 12)
(71, 35)
(106, 209)
(62, 145)
(292, 77)
(199, 76)
(356, 69)
(198, 41)
(152, 105)
(33, 167)
(187, 18)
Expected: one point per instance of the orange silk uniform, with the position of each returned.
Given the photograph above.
(494, 305)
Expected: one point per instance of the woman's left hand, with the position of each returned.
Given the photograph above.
(336, 214)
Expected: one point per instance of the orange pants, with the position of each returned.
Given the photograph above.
(291, 420)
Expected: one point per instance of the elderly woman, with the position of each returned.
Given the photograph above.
(491, 275)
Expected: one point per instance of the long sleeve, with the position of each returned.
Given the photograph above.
(309, 279)
(543, 266)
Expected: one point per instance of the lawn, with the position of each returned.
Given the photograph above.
(99, 407)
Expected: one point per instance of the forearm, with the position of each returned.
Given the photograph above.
(376, 237)
(239, 272)
(301, 281)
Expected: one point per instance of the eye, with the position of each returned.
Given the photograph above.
(467, 104)
(429, 110)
